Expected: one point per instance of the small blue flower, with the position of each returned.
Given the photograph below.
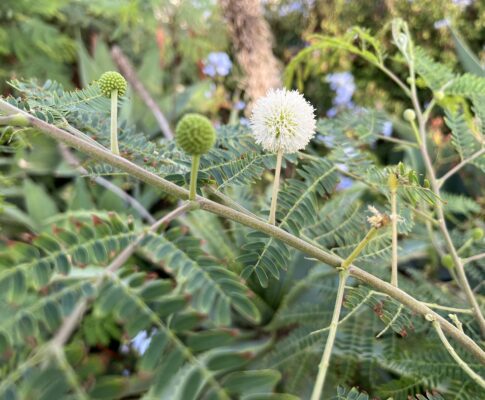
(442, 23)
(239, 105)
(387, 128)
(141, 341)
(300, 6)
(345, 183)
(343, 84)
(332, 112)
(217, 64)
(244, 121)
(462, 3)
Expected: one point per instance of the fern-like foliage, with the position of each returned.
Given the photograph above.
(464, 140)
(435, 75)
(355, 394)
(178, 363)
(299, 202)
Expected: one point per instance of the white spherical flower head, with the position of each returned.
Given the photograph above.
(283, 120)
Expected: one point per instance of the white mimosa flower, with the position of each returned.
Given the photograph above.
(283, 120)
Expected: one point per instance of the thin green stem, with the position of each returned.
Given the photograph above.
(114, 123)
(358, 249)
(14, 120)
(343, 275)
(17, 374)
(327, 352)
(394, 77)
(226, 212)
(396, 316)
(426, 217)
(193, 176)
(460, 270)
(397, 141)
(433, 305)
(474, 258)
(393, 182)
(416, 132)
(464, 366)
(276, 188)
(465, 246)
(351, 313)
(70, 374)
(459, 166)
(224, 199)
(449, 309)
(107, 184)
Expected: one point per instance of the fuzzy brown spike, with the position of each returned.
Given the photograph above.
(252, 41)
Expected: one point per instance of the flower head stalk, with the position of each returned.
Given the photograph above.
(195, 135)
(282, 122)
(112, 84)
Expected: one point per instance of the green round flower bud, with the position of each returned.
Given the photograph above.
(439, 95)
(195, 134)
(447, 261)
(409, 115)
(477, 234)
(110, 81)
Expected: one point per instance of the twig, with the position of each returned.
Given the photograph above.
(434, 305)
(462, 279)
(450, 309)
(464, 366)
(460, 270)
(244, 219)
(397, 141)
(137, 206)
(459, 166)
(129, 73)
(81, 135)
(474, 258)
